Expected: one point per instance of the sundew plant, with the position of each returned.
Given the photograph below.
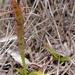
(37, 37)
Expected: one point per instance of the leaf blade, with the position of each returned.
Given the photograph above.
(20, 71)
(63, 59)
(36, 73)
(51, 51)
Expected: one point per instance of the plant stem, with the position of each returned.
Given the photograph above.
(20, 32)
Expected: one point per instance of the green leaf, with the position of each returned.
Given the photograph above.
(36, 73)
(19, 70)
(51, 51)
(63, 59)
(54, 54)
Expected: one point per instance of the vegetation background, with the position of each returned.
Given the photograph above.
(51, 21)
